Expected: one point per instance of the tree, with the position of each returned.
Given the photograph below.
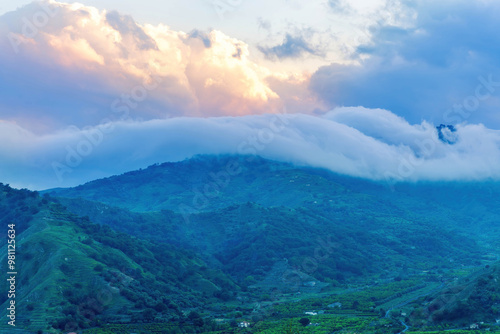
(160, 307)
(304, 321)
(198, 322)
(193, 315)
(289, 329)
(148, 314)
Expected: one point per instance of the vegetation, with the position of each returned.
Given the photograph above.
(276, 249)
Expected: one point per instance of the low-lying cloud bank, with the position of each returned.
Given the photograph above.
(370, 143)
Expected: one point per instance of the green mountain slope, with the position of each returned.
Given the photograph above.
(74, 274)
(202, 183)
(365, 227)
(208, 183)
(276, 229)
(249, 239)
(465, 301)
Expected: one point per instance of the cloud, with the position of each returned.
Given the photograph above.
(127, 28)
(66, 67)
(202, 36)
(264, 24)
(72, 64)
(339, 6)
(424, 69)
(373, 144)
(293, 46)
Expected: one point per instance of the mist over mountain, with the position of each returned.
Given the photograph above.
(372, 144)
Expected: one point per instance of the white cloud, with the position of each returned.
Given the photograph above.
(389, 149)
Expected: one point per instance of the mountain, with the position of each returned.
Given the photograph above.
(364, 226)
(200, 245)
(248, 239)
(207, 183)
(75, 274)
(469, 300)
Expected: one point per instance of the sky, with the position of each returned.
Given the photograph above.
(98, 88)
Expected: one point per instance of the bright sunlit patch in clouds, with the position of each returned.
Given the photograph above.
(72, 52)
(93, 57)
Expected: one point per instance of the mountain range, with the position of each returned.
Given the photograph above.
(213, 240)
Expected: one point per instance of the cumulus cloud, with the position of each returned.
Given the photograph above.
(204, 37)
(293, 46)
(264, 24)
(72, 64)
(429, 69)
(339, 6)
(373, 144)
(129, 29)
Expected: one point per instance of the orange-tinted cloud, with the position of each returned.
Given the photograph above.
(91, 57)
